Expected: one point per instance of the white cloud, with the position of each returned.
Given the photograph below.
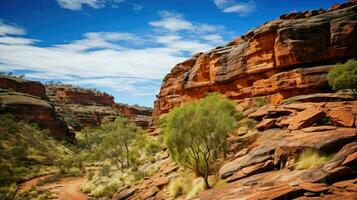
(6, 29)
(121, 61)
(216, 38)
(232, 6)
(137, 7)
(172, 22)
(98, 40)
(78, 4)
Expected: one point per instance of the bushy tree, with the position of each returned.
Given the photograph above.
(196, 133)
(344, 76)
(117, 145)
(90, 137)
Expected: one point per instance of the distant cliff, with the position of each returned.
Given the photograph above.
(62, 108)
(82, 107)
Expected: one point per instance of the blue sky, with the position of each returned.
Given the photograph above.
(124, 47)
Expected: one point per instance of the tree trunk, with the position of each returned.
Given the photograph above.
(127, 155)
(206, 182)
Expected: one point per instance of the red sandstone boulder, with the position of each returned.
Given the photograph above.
(305, 118)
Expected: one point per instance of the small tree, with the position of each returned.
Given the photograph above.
(117, 144)
(344, 76)
(196, 132)
(89, 138)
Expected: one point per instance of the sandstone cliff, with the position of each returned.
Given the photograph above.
(283, 62)
(280, 59)
(24, 86)
(87, 107)
(34, 109)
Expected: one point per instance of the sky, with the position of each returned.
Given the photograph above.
(124, 47)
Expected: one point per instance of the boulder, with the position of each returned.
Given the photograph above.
(305, 118)
(265, 124)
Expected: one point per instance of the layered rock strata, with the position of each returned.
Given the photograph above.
(285, 57)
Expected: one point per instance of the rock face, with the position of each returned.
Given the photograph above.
(34, 109)
(24, 86)
(87, 107)
(283, 58)
(71, 95)
(140, 115)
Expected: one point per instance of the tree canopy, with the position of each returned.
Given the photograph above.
(118, 142)
(196, 133)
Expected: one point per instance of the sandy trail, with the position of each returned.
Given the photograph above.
(63, 189)
(28, 184)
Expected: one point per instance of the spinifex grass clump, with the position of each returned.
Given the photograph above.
(310, 159)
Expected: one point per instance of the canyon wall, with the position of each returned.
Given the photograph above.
(285, 57)
(82, 107)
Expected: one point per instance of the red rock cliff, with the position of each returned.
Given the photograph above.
(280, 59)
(23, 86)
(86, 107)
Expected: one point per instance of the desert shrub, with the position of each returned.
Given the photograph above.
(219, 183)
(105, 170)
(6, 174)
(90, 175)
(140, 174)
(344, 76)
(8, 192)
(152, 147)
(196, 132)
(260, 101)
(310, 159)
(197, 186)
(290, 101)
(180, 186)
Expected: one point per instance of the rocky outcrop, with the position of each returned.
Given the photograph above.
(24, 86)
(33, 109)
(283, 58)
(72, 95)
(141, 116)
(87, 107)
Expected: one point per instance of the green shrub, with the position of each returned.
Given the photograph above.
(197, 186)
(6, 174)
(344, 76)
(310, 159)
(260, 101)
(105, 170)
(140, 174)
(152, 147)
(219, 183)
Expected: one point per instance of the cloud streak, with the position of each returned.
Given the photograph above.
(78, 4)
(232, 6)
